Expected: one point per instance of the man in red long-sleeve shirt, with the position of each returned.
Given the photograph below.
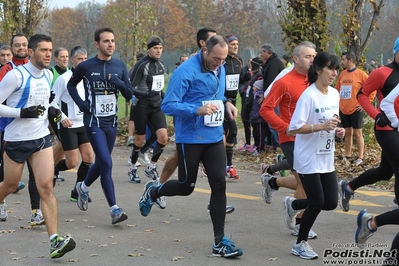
(285, 93)
(382, 80)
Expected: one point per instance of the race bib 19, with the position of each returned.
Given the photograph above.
(158, 82)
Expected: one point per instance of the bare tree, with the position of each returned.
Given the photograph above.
(92, 14)
(352, 21)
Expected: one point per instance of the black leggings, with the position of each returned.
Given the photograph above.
(389, 165)
(395, 246)
(390, 217)
(322, 194)
(213, 157)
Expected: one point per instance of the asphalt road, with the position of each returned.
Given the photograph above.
(182, 233)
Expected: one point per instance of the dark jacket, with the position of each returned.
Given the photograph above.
(271, 69)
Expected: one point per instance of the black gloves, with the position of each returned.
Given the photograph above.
(32, 111)
(52, 96)
(382, 120)
(54, 114)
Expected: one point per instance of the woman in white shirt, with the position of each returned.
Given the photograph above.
(314, 123)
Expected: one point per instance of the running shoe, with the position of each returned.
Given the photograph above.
(203, 170)
(267, 191)
(151, 172)
(83, 197)
(229, 209)
(395, 201)
(3, 212)
(129, 142)
(134, 176)
(244, 148)
(289, 213)
(144, 158)
(226, 248)
(252, 149)
(59, 246)
(304, 251)
(264, 167)
(145, 202)
(59, 178)
(74, 196)
(363, 232)
(36, 217)
(232, 173)
(358, 162)
(279, 158)
(344, 195)
(118, 215)
(311, 234)
(21, 185)
(345, 161)
(160, 202)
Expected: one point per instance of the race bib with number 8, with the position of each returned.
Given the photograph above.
(325, 143)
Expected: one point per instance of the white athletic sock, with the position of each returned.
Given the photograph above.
(84, 187)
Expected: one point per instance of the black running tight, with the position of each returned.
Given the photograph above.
(389, 165)
(322, 194)
(213, 157)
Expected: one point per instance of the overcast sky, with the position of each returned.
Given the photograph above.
(71, 3)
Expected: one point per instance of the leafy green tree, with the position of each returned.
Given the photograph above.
(304, 20)
(20, 16)
(134, 22)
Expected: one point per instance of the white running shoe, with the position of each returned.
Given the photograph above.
(289, 213)
(311, 234)
(267, 191)
(303, 250)
(160, 202)
(144, 158)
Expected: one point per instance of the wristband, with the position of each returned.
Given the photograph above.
(311, 128)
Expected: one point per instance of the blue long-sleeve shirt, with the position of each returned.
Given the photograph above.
(189, 86)
(100, 106)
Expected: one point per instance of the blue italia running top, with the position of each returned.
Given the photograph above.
(100, 106)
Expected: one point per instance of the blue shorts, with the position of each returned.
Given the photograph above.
(20, 151)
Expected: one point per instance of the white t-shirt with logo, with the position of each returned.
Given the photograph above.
(314, 153)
